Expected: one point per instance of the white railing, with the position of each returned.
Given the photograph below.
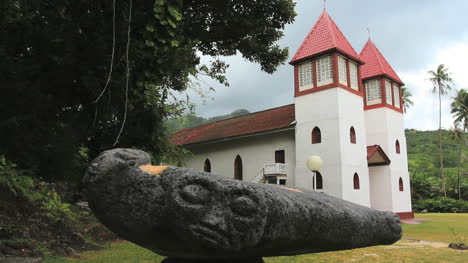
(274, 169)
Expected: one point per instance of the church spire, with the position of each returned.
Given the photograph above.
(325, 36)
(376, 64)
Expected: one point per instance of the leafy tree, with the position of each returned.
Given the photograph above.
(98, 74)
(406, 97)
(441, 81)
(458, 136)
(459, 109)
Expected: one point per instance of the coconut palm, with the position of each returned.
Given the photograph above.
(458, 136)
(441, 81)
(459, 109)
(406, 97)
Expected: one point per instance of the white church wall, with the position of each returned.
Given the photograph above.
(320, 110)
(384, 127)
(334, 111)
(381, 188)
(255, 151)
(353, 156)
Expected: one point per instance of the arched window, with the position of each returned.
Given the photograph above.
(238, 168)
(400, 184)
(397, 147)
(316, 136)
(318, 180)
(207, 166)
(356, 181)
(352, 135)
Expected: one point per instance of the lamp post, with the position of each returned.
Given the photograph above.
(314, 163)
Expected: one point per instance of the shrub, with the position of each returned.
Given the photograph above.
(442, 205)
(19, 181)
(55, 208)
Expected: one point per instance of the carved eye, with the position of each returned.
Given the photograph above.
(195, 194)
(243, 206)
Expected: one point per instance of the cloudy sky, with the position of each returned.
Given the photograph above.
(414, 36)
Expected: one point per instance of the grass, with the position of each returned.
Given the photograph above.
(437, 229)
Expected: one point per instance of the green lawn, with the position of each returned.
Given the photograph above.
(438, 229)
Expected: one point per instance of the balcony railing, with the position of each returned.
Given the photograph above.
(274, 169)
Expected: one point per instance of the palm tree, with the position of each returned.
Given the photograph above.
(406, 97)
(459, 109)
(441, 80)
(458, 136)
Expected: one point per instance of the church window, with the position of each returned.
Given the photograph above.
(306, 78)
(238, 168)
(397, 147)
(356, 181)
(400, 185)
(388, 92)
(207, 166)
(352, 135)
(343, 74)
(324, 70)
(318, 182)
(373, 94)
(396, 95)
(316, 135)
(353, 74)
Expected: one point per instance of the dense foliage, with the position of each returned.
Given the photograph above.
(423, 162)
(441, 205)
(57, 57)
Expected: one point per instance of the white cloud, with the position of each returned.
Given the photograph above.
(424, 114)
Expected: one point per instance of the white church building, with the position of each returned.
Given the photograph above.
(347, 110)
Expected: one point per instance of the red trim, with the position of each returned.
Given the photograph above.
(362, 86)
(406, 215)
(382, 105)
(393, 97)
(382, 90)
(334, 84)
(401, 98)
(336, 77)
(296, 80)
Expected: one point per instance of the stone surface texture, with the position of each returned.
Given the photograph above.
(187, 214)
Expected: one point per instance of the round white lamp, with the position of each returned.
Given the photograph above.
(314, 163)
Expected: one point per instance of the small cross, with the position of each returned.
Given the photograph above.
(368, 32)
(324, 4)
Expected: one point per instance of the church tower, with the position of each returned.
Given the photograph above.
(383, 104)
(330, 113)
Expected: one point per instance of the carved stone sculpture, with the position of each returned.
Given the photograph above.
(191, 215)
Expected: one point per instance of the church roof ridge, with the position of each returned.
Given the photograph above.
(261, 121)
(324, 36)
(376, 64)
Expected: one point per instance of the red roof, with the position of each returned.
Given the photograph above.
(267, 120)
(324, 36)
(371, 150)
(376, 64)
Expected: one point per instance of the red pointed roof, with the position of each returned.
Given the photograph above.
(272, 119)
(376, 64)
(381, 159)
(324, 36)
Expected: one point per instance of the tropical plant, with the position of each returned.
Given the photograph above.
(406, 97)
(459, 109)
(459, 136)
(99, 74)
(442, 82)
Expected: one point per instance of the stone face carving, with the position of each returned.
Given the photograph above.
(187, 214)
